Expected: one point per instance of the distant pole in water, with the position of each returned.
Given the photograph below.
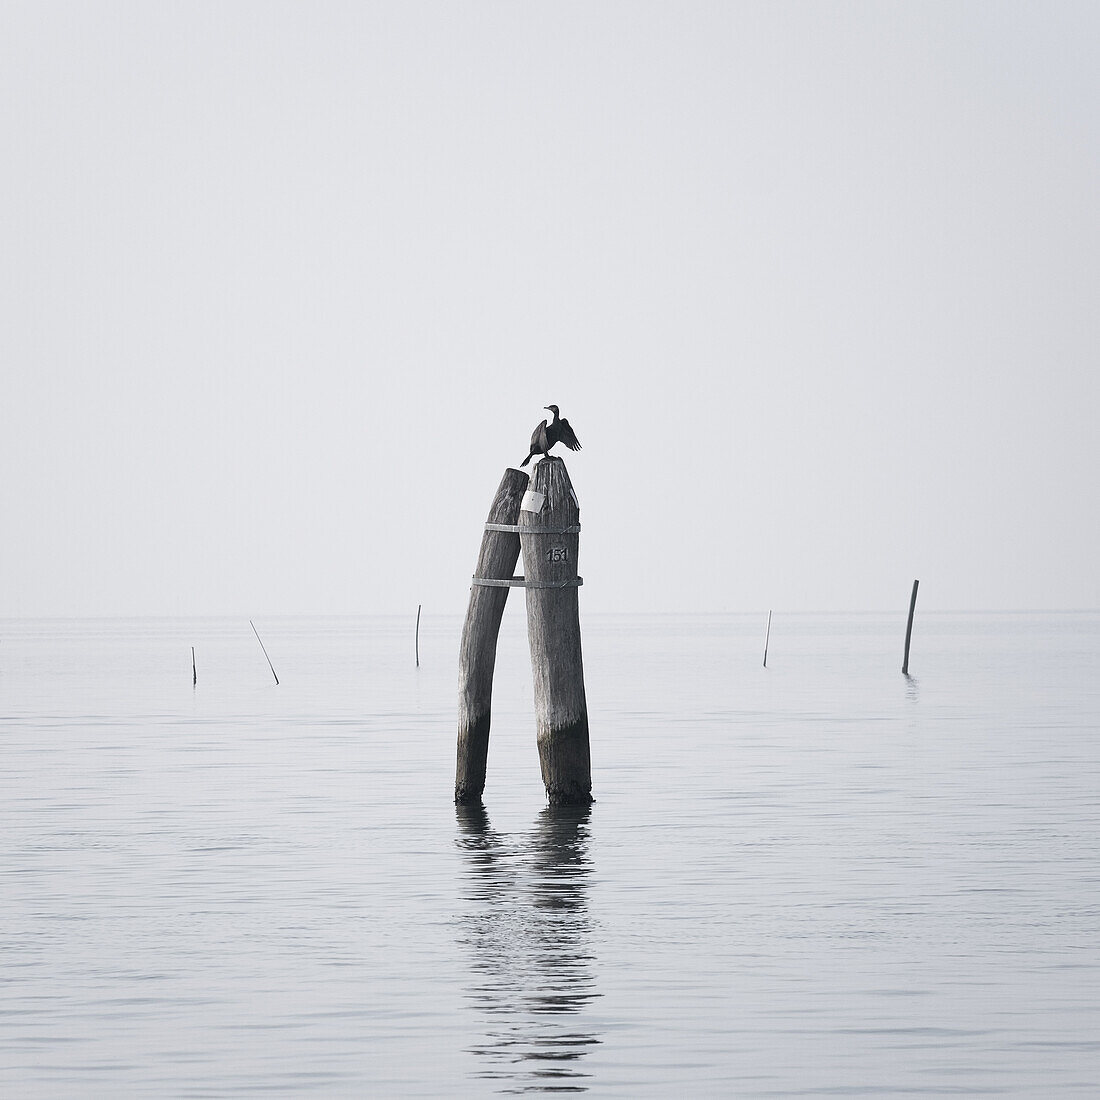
(194, 671)
(418, 606)
(909, 628)
(263, 647)
(767, 635)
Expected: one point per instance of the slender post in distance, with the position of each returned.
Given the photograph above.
(264, 648)
(194, 670)
(767, 635)
(418, 606)
(909, 628)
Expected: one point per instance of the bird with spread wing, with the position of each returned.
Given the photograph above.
(546, 436)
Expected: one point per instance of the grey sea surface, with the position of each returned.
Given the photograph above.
(818, 878)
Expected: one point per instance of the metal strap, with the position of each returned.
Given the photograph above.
(515, 529)
(522, 582)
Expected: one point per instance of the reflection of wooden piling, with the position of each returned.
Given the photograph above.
(549, 533)
(909, 628)
(478, 650)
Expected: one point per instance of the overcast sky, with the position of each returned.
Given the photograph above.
(286, 287)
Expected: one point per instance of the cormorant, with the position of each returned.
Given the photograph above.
(546, 435)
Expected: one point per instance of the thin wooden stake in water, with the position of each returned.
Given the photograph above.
(909, 628)
(767, 635)
(194, 671)
(260, 640)
(418, 606)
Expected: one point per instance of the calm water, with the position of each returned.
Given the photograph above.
(819, 878)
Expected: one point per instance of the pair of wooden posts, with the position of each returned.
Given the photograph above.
(543, 521)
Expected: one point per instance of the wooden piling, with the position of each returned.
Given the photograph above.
(909, 628)
(549, 523)
(478, 649)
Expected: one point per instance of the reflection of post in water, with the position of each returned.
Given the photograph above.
(491, 874)
(528, 929)
(558, 890)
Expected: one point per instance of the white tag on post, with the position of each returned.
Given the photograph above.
(532, 501)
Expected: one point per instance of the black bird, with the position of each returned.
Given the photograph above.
(546, 435)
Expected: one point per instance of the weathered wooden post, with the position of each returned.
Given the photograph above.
(549, 526)
(478, 650)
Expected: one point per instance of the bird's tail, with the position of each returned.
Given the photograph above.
(527, 459)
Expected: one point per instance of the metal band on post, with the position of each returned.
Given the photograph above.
(522, 582)
(514, 529)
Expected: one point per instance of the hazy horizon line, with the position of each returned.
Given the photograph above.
(625, 614)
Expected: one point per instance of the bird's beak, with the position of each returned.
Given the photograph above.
(546, 407)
